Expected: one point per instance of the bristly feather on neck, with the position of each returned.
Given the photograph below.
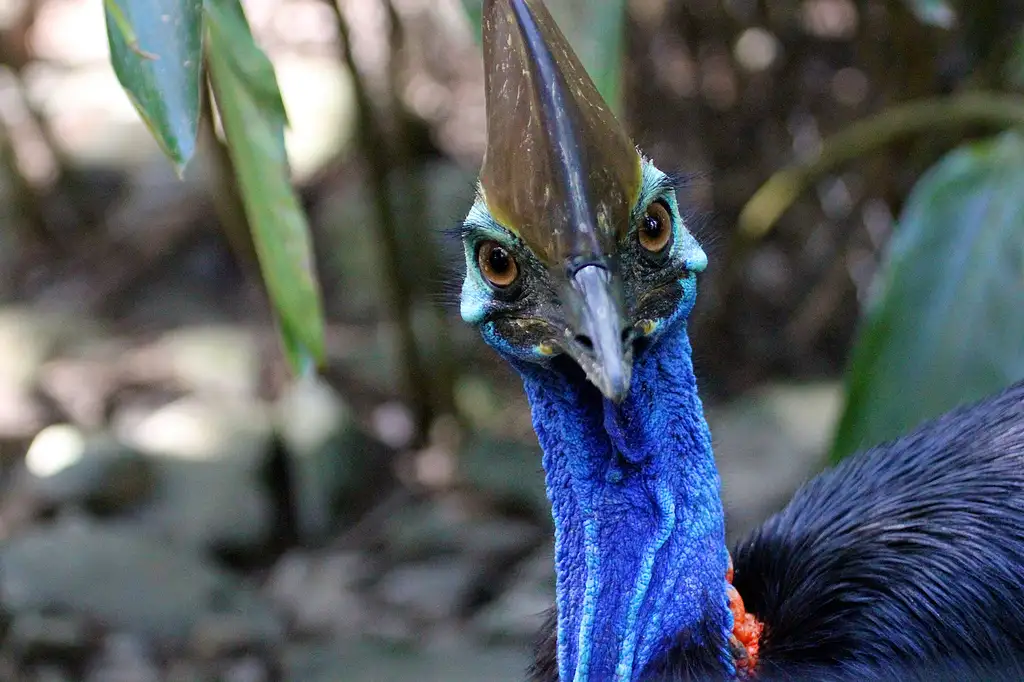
(640, 551)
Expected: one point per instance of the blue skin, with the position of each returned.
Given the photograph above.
(640, 553)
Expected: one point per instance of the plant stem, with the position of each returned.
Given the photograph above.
(442, 370)
(377, 157)
(35, 229)
(776, 195)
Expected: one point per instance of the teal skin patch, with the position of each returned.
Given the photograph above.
(476, 293)
(658, 185)
(477, 297)
(686, 251)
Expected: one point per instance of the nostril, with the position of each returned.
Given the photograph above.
(585, 341)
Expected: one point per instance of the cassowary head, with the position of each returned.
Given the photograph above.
(575, 245)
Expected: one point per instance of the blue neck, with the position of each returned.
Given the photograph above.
(640, 552)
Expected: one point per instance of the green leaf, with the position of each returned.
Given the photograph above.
(253, 115)
(946, 324)
(937, 13)
(156, 50)
(597, 33)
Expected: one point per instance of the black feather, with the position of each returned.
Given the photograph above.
(910, 552)
(545, 662)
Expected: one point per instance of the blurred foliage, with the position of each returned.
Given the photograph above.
(156, 50)
(774, 197)
(1015, 65)
(947, 323)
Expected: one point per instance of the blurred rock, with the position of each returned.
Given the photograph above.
(363, 662)
(499, 536)
(217, 635)
(391, 625)
(48, 673)
(184, 670)
(123, 579)
(66, 466)
(432, 589)
(21, 414)
(210, 457)
(212, 359)
(429, 529)
(319, 593)
(769, 442)
(66, 638)
(82, 379)
(249, 669)
(518, 613)
(510, 473)
(124, 659)
(30, 337)
(335, 466)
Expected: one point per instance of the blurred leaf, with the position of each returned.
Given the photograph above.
(929, 115)
(475, 12)
(597, 33)
(1015, 64)
(933, 12)
(155, 48)
(945, 326)
(253, 116)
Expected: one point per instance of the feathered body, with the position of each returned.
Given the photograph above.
(581, 272)
(904, 562)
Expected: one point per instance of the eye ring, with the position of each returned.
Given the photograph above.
(655, 230)
(497, 264)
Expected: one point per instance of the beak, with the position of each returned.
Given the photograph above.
(601, 345)
(562, 174)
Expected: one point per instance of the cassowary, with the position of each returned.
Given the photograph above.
(904, 562)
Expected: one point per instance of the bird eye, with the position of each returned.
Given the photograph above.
(655, 231)
(497, 264)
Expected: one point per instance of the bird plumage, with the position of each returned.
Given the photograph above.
(904, 561)
(912, 551)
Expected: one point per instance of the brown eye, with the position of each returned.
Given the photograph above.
(497, 264)
(656, 228)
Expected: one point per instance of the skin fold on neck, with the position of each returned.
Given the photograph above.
(640, 554)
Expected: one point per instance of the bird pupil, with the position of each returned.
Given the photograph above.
(652, 226)
(498, 260)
